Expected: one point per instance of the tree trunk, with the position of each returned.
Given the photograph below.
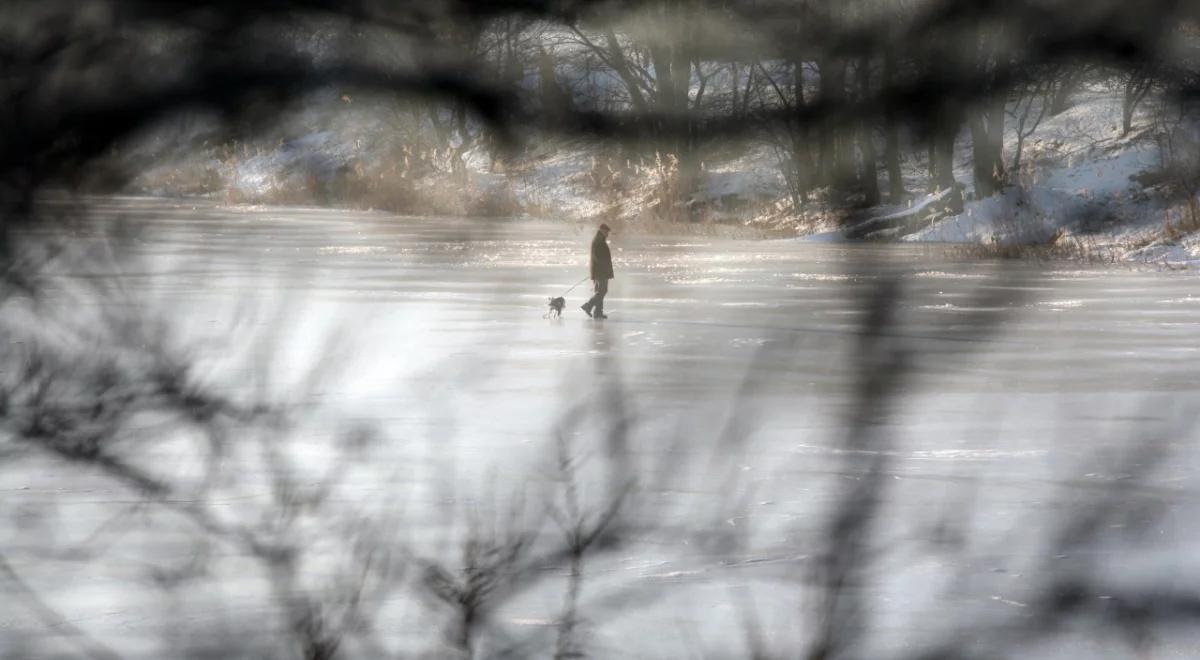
(891, 129)
(555, 100)
(931, 156)
(673, 74)
(826, 145)
(949, 121)
(802, 165)
(986, 119)
(987, 151)
(1137, 85)
(735, 79)
(835, 159)
(996, 115)
(831, 84)
(458, 166)
(616, 56)
(866, 139)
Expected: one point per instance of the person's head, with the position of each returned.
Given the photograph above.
(604, 229)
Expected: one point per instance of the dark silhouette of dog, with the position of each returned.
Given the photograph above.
(556, 307)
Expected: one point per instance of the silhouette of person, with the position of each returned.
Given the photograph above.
(601, 272)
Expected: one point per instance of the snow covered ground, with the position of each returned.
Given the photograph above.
(1081, 183)
(728, 368)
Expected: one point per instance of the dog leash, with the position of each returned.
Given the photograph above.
(575, 285)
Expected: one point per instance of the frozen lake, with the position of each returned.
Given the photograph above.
(1010, 433)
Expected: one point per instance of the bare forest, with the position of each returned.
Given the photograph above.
(902, 361)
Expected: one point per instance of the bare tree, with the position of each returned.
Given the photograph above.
(1025, 100)
(1136, 84)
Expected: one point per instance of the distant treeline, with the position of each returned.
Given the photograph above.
(841, 90)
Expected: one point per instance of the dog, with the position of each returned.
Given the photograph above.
(556, 307)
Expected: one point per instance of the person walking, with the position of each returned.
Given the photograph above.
(601, 272)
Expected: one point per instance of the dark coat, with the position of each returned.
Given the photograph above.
(601, 263)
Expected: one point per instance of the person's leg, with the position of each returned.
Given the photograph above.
(601, 291)
(591, 303)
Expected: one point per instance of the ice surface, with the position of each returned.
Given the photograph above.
(733, 364)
